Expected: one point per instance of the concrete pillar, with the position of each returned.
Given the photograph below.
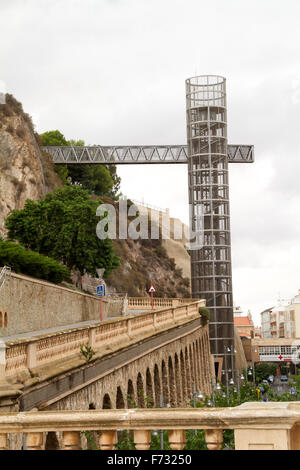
(262, 439)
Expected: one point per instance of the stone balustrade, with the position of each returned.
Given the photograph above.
(257, 426)
(145, 303)
(28, 353)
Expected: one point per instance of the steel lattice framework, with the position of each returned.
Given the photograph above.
(132, 154)
(207, 156)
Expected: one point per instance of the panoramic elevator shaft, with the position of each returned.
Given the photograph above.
(209, 208)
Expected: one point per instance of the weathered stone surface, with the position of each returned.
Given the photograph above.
(25, 172)
(33, 305)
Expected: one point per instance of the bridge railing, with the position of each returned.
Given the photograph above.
(140, 303)
(257, 426)
(21, 355)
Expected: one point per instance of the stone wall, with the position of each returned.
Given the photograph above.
(33, 305)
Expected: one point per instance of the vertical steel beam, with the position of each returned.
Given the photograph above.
(209, 196)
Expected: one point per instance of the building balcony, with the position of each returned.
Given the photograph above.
(256, 425)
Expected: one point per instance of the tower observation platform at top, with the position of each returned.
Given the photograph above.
(206, 155)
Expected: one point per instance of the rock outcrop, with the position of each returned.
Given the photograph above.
(26, 172)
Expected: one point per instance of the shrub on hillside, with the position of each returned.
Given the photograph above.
(31, 263)
(63, 227)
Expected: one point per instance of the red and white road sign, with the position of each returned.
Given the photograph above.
(152, 289)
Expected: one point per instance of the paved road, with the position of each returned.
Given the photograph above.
(280, 387)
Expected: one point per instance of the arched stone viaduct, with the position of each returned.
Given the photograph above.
(170, 371)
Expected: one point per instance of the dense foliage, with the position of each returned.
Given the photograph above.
(31, 263)
(63, 226)
(97, 179)
(263, 371)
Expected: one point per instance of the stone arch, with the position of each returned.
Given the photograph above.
(130, 395)
(106, 402)
(157, 385)
(172, 388)
(5, 320)
(92, 406)
(140, 391)
(149, 389)
(120, 403)
(178, 381)
(165, 385)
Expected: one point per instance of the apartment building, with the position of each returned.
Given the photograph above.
(282, 321)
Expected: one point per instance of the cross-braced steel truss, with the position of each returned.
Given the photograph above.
(138, 154)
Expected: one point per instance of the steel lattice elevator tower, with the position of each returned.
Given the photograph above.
(209, 200)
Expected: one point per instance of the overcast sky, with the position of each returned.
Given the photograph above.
(114, 71)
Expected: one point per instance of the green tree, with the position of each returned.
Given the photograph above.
(55, 138)
(63, 226)
(97, 179)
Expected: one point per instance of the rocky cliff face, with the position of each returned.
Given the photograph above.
(25, 171)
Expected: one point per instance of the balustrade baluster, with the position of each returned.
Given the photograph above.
(71, 440)
(177, 439)
(3, 441)
(214, 439)
(142, 440)
(34, 440)
(108, 440)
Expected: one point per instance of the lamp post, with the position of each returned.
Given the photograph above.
(226, 375)
(253, 363)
